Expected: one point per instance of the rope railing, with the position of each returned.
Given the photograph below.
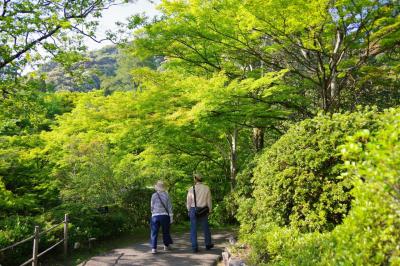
(36, 236)
(50, 248)
(26, 262)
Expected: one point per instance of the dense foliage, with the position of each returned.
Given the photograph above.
(301, 211)
(260, 96)
(335, 51)
(34, 190)
(297, 181)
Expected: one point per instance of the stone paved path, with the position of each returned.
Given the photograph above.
(139, 253)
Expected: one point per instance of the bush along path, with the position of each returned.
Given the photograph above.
(181, 254)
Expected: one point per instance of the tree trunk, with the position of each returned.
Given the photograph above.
(334, 92)
(333, 63)
(258, 138)
(233, 157)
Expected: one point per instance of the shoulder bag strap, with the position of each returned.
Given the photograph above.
(194, 193)
(162, 203)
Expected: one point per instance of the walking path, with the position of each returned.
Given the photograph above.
(139, 253)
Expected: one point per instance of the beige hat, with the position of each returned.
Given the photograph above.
(159, 186)
(197, 176)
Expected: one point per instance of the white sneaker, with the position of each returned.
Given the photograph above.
(167, 247)
(153, 251)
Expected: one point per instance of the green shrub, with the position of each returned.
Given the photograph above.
(223, 212)
(136, 206)
(369, 161)
(371, 232)
(87, 222)
(16, 228)
(298, 181)
(84, 222)
(13, 229)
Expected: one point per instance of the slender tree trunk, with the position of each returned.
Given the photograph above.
(334, 92)
(258, 138)
(324, 103)
(233, 157)
(333, 63)
(258, 132)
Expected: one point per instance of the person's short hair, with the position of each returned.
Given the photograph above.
(198, 176)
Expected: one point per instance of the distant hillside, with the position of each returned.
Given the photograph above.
(108, 68)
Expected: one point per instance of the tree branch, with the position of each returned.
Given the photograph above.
(90, 36)
(5, 2)
(28, 47)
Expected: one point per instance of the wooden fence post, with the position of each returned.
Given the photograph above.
(35, 247)
(65, 237)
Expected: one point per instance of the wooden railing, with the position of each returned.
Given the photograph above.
(36, 236)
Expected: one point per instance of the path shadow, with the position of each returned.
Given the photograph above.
(139, 253)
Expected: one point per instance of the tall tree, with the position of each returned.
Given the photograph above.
(324, 43)
(209, 114)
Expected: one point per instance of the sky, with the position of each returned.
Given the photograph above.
(120, 13)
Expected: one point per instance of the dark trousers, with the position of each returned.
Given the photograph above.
(194, 222)
(155, 223)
